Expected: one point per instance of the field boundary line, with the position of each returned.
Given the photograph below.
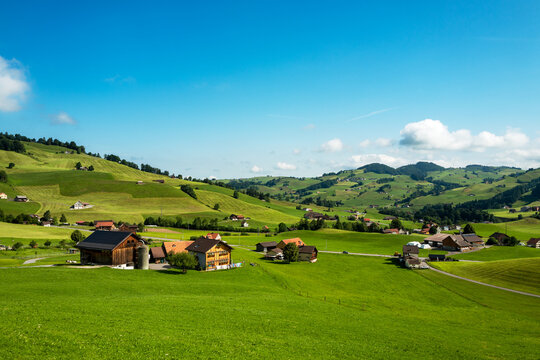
(482, 283)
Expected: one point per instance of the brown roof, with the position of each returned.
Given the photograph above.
(410, 249)
(499, 236)
(472, 238)
(307, 249)
(390, 231)
(267, 243)
(276, 250)
(533, 241)
(172, 247)
(436, 237)
(104, 223)
(157, 252)
(202, 245)
(460, 241)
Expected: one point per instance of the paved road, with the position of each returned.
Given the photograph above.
(32, 261)
(481, 283)
(360, 254)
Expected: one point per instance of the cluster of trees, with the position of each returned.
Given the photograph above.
(197, 224)
(322, 202)
(154, 170)
(188, 190)
(507, 241)
(253, 192)
(78, 165)
(8, 144)
(3, 176)
(184, 261)
(443, 214)
(19, 219)
(322, 185)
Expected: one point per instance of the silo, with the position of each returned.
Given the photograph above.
(142, 257)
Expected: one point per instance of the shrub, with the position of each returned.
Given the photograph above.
(33, 244)
(183, 261)
(77, 236)
(290, 252)
(492, 241)
(47, 243)
(17, 246)
(188, 190)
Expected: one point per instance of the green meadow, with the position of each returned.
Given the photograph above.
(340, 307)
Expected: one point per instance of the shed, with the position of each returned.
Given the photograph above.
(266, 246)
(157, 255)
(307, 253)
(109, 248)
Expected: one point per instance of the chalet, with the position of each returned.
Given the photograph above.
(109, 248)
(456, 243)
(534, 243)
(307, 253)
(266, 246)
(391, 231)
(284, 242)
(535, 208)
(128, 228)
(234, 217)
(80, 205)
(107, 225)
(175, 247)
(213, 236)
(21, 198)
(435, 240)
(274, 254)
(211, 254)
(410, 250)
(473, 239)
(157, 255)
(3, 196)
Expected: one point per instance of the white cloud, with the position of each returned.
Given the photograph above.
(309, 127)
(13, 85)
(285, 166)
(383, 142)
(431, 134)
(333, 145)
(256, 169)
(62, 119)
(365, 143)
(297, 151)
(364, 159)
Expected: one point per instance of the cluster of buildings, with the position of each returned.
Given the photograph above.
(273, 250)
(454, 242)
(79, 205)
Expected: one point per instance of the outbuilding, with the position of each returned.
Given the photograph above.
(307, 253)
(109, 248)
(266, 246)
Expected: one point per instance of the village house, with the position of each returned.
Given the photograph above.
(175, 247)
(410, 258)
(109, 248)
(534, 243)
(307, 253)
(266, 246)
(3, 196)
(21, 198)
(107, 225)
(128, 228)
(211, 254)
(455, 243)
(284, 242)
(80, 205)
(436, 240)
(391, 231)
(274, 254)
(237, 217)
(213, 236)
(473, 239)
(157, 255)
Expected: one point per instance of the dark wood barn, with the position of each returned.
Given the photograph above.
(109, 248)
(266, 246)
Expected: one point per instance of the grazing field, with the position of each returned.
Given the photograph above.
(517, 274)
(523, 230)
(32, 232)
(340, 307)
(500, 253)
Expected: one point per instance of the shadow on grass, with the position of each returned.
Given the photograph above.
(172, 271)
(394, 261)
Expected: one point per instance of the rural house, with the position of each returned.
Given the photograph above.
(244, 224)
(456, 243)
(409, 250)
(109, 248)
(266, 246)
(500, 237)
(21, 198)
(473, 239)
(175, 247)
(80, 205)
(391, 231)
(3, 196)
(213, 236)
(435, 240)
(157, 255)
(284, 242)
(107, 225)
(274, 254)
(234, 217)
(534, 242)
(410, 257)
(307, 253)
(128, 228)
(211, 254)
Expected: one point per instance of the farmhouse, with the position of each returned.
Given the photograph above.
(128, 228)
(410, 250)
(435, 240)
(3, 196)
(500, 237)
(307, 253)
(274, 254)
(80, 205)
(473, 239)
(284, 242)
(534, 242)
(244, 224)
(175, 247)
(211, 254)
(213, 236)
(157, 255)
(107, 225)
(109, 248)
(456, 243)
(391, 231)
(21, 198)
(266, 246)
(234, 217)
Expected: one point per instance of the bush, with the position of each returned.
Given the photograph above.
(492, 241)
(193, 237)
(33, 244)
(77, 236)
(183, 261)
(227, 234)
(290, 252)
(11, 165)
(17, 246)
(47, 243)
(188, 190)
(3, 176)
(244, 234)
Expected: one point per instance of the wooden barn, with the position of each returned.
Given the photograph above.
(307, 253)
(109, 248)
(266, 246)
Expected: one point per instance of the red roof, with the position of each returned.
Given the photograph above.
(103, 223)
(212, 236)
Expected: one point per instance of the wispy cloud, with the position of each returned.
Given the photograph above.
(255, 169)
(120, 79)
(62, 118)
(309, 127)
(285, 166)
(333, 145)
(13, 85)
(373, 113)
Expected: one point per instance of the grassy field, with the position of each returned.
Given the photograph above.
(500, 253)
(518, 274)
(339, 307)
(523, 230)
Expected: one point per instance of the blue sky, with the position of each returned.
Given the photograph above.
(266, 87)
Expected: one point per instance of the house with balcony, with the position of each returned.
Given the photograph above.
(211, 254)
